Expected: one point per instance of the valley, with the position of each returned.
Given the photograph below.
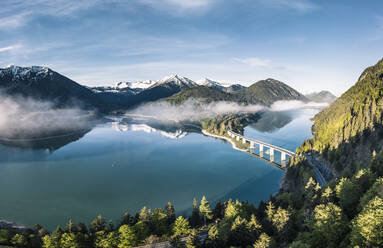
(143, 136)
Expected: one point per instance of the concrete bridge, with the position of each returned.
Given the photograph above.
(270, 149)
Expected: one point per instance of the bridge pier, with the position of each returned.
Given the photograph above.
(283, 156)
(283, 163)
(261, 150)
(252, 145)
(269, 148)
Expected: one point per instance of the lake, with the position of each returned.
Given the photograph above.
(121, 166)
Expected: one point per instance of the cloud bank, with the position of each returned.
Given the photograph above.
(195, 110)
(23, 118)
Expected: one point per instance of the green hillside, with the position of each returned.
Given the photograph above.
(263, 92)
(352, 123)
(267, 92)
(202, 93)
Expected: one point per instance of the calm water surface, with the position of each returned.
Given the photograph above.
(117, 167)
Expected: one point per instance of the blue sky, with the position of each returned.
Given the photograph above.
(311, 45)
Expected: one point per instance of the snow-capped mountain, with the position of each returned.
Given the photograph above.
(44, 84)
(16, 73)
(210, 83)
(226, 87)
(165, 88)
(136, 85)
(115, 90)
(172, 80)
(175, 80)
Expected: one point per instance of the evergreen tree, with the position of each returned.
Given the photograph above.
(240, 235)
(81, 228)
(159, 222)
(127, 220)
(141, 230)
(5, 236)
(104, 239)
(70, 226)
(171, 214)
(48, 242)
(264, 241)
(97, 224)
(214, 239)
(127, 237)
(181, 226)
(144, 214)
(219, 211)
(367, 227)
(348, 194)
(193, 240)
(205, 210)
(195, 217)
(328, 226)
(280, 218)
(19, 240)
(327, 195)
(68, 240)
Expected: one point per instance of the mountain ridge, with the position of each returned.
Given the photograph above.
(321, 96)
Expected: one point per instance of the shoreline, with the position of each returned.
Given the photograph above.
(224, 138)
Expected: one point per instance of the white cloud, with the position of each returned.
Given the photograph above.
(9, 48)
(184, 4)
(298, 5)
(14, 21)
(18, 13)
(255, 62)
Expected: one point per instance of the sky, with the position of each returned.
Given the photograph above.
(310, 45)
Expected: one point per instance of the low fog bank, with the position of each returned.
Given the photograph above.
(194, 110)
(295, 104)
(23, 118)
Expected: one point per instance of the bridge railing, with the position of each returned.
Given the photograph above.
(290, 153)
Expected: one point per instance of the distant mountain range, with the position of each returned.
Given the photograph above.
(322, 96)
(45, 84)
(268, 91)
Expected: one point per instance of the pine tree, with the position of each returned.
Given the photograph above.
(195, 217)
(144, 214)
(127, 237)
(264, 241)
(205, 210)
(181, 226)
(97, 224)
(69, 228)
(170, 212)
(367, 227)
(193, 240)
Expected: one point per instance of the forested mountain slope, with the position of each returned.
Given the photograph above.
(350, 130)
(267, 92)
(202, 93)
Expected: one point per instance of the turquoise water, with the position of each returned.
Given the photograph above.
(115, 168)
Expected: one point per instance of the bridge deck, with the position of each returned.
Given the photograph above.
(280, 149)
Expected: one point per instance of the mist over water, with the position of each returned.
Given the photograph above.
(22, 117)
(194, 110)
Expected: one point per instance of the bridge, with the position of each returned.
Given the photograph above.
(262, 145)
